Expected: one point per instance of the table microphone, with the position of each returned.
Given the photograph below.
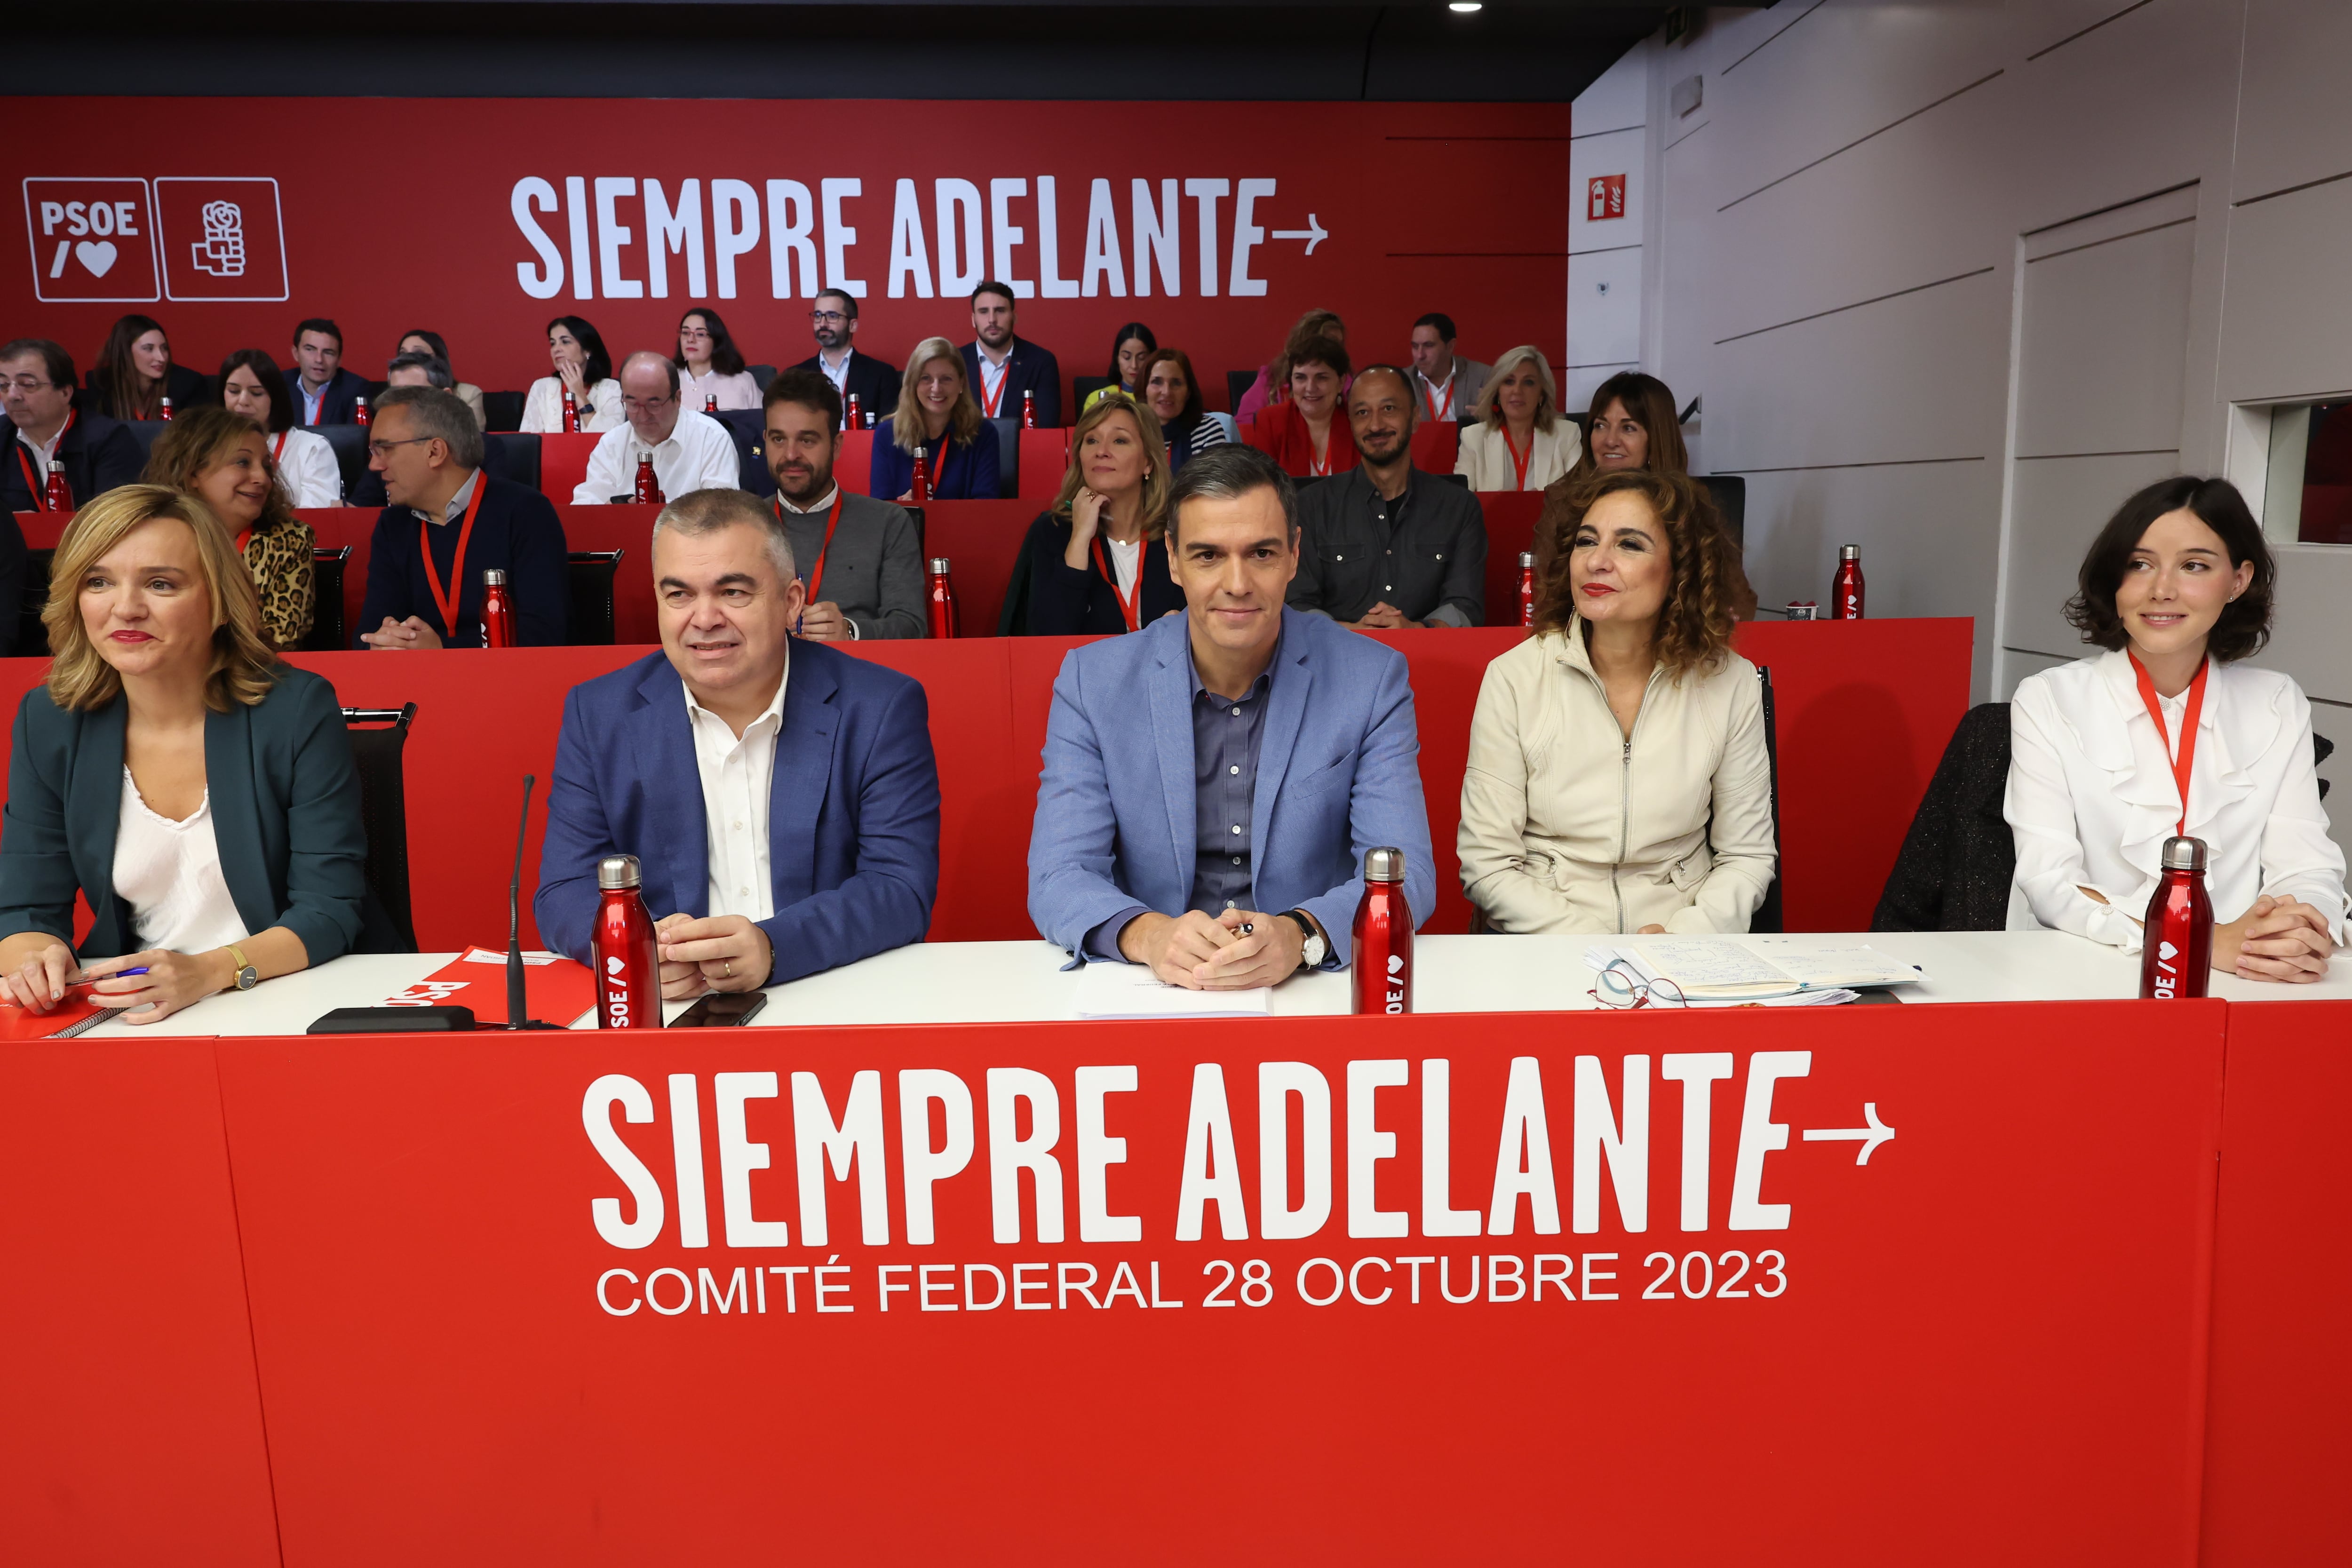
(517, 1004)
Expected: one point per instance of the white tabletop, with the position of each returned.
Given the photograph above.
(1024, 981)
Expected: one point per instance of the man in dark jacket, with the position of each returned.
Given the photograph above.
(1001, 366)
(325, 393)
(37, 385)
(872, 382)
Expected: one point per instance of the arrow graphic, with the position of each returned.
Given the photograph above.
(1313, 234)
(1869, 1137)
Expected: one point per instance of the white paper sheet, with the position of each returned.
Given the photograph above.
(1132, 991)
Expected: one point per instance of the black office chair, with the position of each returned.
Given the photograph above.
(1237, 385)
(916, 513)
(749, 428)
(1767, 916)
(328, 632)
(512, 458)
(762, 374)
(1730, 494)
(349, 443)
(1084, 386)
(1957, 861)
(32, 636)
(1008, 454)
(144, 432)
(378, 737)
(502, 411)
(591, 596)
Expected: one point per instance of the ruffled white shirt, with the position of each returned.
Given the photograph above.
(306, 470)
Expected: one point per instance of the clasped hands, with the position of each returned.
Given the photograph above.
(721, 952)
(1385, 618)
(2278, 938)
(1202, 952)
(401, 636)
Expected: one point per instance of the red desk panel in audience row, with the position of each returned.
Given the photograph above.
(1865, 710)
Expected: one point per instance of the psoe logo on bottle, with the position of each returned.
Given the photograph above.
(221, 237)
(93, 240)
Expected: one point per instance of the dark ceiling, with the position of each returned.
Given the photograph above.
(756, 48)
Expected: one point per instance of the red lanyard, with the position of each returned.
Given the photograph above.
(2188, 724)
(1131, 604)
(1436, 410)
(940, 460)
(990, 405)
(244, 537)
(1520, 460)
(448, 603)
(277, 453)
(34, 481)
(816, 578)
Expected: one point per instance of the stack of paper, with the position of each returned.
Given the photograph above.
(1132, 991)
(1714, 972)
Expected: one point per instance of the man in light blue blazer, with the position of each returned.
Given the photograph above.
(781, 797)
(1211, 782)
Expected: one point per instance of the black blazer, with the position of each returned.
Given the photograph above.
(185, 387)
(875, 382)
(1031, 369)
(1064, 603)
(335, 403)
(99, 454)
(286, 810)
(516, 531)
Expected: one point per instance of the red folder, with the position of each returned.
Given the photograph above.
(556, 990)
(24, 1024)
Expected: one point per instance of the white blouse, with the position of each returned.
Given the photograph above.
(169, 873)
(542, 409)
(741, 390)
(306, 470)
(1485, 455)
(2090, 798)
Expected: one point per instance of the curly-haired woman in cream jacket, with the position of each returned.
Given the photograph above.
(1618, 780)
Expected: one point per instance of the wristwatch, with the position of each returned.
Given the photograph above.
(247, 977)
(1315, 950)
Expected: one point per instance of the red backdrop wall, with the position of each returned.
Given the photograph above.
(486, 217)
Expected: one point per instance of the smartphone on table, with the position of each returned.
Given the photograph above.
(719, 1009)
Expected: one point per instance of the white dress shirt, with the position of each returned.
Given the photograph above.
(836, 374)
(991, 383)
(741, 390)
(543, 408)
(738, 775)
(310, 400)
(2090, 798)
(170, 874)
(696, 455)
(43, 451)
(306, 470)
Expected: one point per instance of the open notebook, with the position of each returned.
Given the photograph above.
(1713, 971)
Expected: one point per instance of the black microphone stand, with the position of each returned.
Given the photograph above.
(517, 1002)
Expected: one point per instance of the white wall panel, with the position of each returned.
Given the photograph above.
(2287, 331)
(2295, 123)
(1604, 320)
(2057, 507)
(1616, 152)
(2103, 353)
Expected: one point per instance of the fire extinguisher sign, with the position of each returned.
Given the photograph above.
(1605, 197)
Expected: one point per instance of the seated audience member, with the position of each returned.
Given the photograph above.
(583, 367)
(691, 451)
(1307, 433)
(2176, 589)
(781, 799)
(864, 576)
(1133, 344)
(938, 423)
(199, 793)
(1631, 424)
(1173, 393)
(417, 340)
(854, 374)
(37, 389)
(419, 369)
(1385, 545)
(135, 373)
(1001, 366)
(253, 387)
(1617, 777)
(1098, 560)
(448, 522)
(1447, 385)
(1520, 442)
(1285, 744)
(323, 391)
(223, 459)
(1273, 383)
(709, 365)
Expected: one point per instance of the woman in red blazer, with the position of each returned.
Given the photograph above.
(1309, 434)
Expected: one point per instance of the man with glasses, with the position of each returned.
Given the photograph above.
(447, 523)
(691, 451)
(873, 384)
(36, 386)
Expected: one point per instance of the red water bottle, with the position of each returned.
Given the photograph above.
(710, 403)
(942, 598)
(627, 963)
(56, 495)
(165, 414)
(1845, 591)
(497, 610)
(1028, 410)
(2176, 957)
(855, 420)
(570, 414)
(1384, 936)
(1527, 588)
(359, 412)
(922, 485)
(647, 492)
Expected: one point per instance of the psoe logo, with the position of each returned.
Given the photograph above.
(221, 238)
(92, 240)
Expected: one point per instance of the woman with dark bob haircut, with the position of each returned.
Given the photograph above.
(2176, 589)
(1617, 779)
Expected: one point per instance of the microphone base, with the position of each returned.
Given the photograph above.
(526, 1024)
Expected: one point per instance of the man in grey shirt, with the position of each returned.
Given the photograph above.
(1385, 545)
(860, 558)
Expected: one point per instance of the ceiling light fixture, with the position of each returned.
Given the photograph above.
(1465, 6)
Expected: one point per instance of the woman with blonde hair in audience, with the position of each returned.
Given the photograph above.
(938, 423)
(581, 368)
(709, 365)
(1098, 559)
(1518, 441)
(1309, 434)
(223, 459)
(135, 373)
(1273, 383)
(417, 340)
(253, 387)
(195, 791)
(1617, 778)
